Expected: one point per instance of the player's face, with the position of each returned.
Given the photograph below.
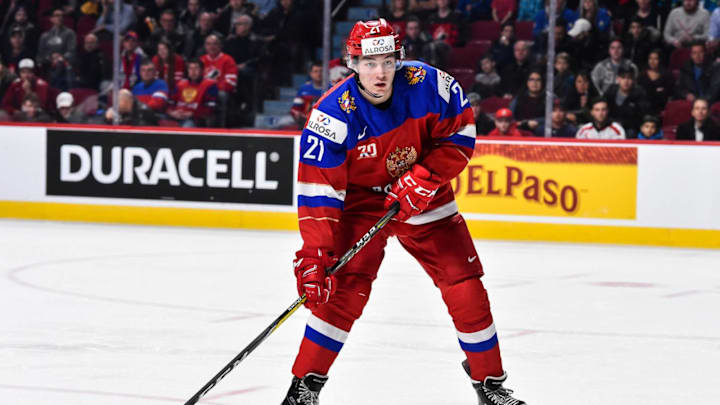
(376, 74)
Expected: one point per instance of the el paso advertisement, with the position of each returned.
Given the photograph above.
(584, 181)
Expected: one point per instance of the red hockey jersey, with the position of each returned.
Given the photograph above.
(352, 151)
(222, 69)
(198, 97)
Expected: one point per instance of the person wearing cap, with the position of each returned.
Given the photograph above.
(601, 126)
(26, 83)
(483, 123)
(505, 125)
(650, 129)
(586, 45)
(559, 125)
(701, 127)
(66, 112)
(59, 40)
(627, 101)
(131, 57)
(105, 24)
(604, 74)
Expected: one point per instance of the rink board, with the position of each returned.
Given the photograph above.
(546, 190)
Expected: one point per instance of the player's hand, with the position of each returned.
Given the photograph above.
(312, 281)
(414, 190)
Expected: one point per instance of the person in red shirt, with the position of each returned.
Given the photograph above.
(221, 67)
(194, 98)
(505, 125)
(169, 65)
(23, 85)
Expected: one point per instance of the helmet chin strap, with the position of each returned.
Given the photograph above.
(363, 88)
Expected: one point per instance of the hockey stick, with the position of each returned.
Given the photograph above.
(294, 307)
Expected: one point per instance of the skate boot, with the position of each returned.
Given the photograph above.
(305, 391)
(491, 391)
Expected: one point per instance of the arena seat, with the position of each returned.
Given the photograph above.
(492, 104)
(464, 76)
(676, 112)
(486, 30)
(524, 30)
(678, 57)
(465, 57)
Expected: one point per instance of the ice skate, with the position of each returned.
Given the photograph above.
(491, 391)
(305, 391)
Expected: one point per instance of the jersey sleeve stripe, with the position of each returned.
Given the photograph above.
(319, 201)
(316, 190)
(461, 140)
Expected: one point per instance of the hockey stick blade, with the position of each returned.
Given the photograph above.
(394, 208)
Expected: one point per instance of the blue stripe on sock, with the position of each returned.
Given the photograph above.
(479, 347)
(324, 341)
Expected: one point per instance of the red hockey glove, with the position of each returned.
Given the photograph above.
(310, 266)
(414, 190)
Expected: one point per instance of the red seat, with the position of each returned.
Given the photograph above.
(85, 99)
(107, 49)
(465, 57)
(669, 132)
(487, 30)
(481, 46)
(464, 76)
(85, 24)
(491, 104)
(618, 27)
(523, 30)
(715, 110)
(676, 112)
(678, 57)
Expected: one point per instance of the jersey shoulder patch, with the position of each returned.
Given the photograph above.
(327, 126)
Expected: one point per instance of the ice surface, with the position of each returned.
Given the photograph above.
(108, 314)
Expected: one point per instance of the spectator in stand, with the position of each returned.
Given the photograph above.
(503, 10)
(233, 10)
(447, 29)
(587, 46)
(564, 77)
(473, 10)
(66, 113)
(598, 16)
(637, 43)
(195, 41)
(169, 65)
(17, 49)
(289, 34)
(541, 19)
(59, 39)
(6, 77)
(168, 31)
(559, 125)
(91, 66)
(627, 102)
(397, 15)
(195, 98)
(246, 50)
(30, 110)
(528, 9)
(563, 43)
(578, 99)
(220, 67)
(505, 125)
(529, 106)
(487, 82)
(502, 48)
(513, 75)
(483, 123)
(601, 126)
(30, 31)
(605, 72)
(151, 91)
(105, 25)
(60, 73)
(130, 111)
(700, 127)
(686, 25)
(261, 8)
(7, 13)
(695, 75)
(131, 57)
(307, 94)
(415, 39)
(22, 86)
(649, 18)
(657, 81)
(150, 12)
(190, 15)
(650, 129)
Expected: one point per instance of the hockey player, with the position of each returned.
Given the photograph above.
(389, 132)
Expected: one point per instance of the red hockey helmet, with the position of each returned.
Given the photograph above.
(374, 37)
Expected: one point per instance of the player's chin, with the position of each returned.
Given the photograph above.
(381, 88)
